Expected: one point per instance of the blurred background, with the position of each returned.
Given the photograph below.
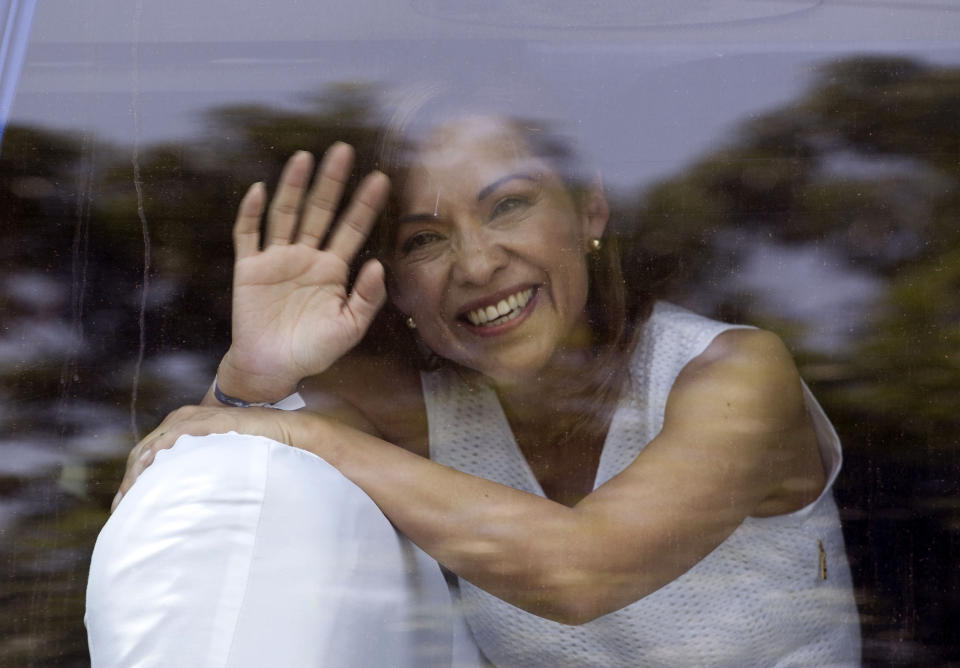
(800, 160)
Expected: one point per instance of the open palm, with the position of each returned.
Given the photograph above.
(293, 312)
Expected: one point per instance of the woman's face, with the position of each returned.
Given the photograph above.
(490, 252)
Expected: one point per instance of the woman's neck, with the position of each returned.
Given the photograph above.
(559, 421)
(547, 390)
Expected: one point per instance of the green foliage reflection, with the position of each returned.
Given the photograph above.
(864, 166)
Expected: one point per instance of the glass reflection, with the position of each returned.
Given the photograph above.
(829, 219)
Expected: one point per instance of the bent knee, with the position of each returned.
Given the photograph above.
(229, 533)
(231, 468)
(233, 483)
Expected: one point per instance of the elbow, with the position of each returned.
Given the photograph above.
(574, 598)
(558, 575)
(572, 586)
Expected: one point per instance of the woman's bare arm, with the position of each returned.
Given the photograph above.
(734, 437)
(734, 432)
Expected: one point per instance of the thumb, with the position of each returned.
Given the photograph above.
(369, 294)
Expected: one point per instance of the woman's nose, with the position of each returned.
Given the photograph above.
(479, 256)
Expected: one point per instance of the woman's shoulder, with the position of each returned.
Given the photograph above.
(670, 339)
(746, 383)
(752, 363)
(376, 393)
(667, 318)
(749, 347)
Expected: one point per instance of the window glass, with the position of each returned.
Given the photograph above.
(796, 160)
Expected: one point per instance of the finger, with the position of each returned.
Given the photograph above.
(133, 472)
(358, 220)
(326, 193)
(246, 229)
(369, 294)
(141, 446)
(116, 501)
(143, 462)
(285, 207)
(147, 441)
(144, 453)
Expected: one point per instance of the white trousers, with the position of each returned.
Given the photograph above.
(235, 550)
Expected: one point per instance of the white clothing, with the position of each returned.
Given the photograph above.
(235, 550)
(757, 600)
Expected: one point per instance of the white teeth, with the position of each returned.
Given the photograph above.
(504, 311)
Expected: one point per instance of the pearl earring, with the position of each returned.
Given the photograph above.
(411, 323)
(595, 245)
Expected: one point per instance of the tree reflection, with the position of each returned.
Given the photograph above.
(860, 172)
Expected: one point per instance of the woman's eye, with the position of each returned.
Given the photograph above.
(419, 240)
(508, 205)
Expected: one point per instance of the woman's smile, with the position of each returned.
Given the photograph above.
(493, 315)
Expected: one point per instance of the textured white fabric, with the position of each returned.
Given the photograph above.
(756, 600)
(235, 550)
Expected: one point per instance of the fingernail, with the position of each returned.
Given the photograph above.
(116, 501)
(339, 150)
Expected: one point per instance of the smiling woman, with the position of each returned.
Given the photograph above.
(484, 223)
(612, 481)
(495, 165)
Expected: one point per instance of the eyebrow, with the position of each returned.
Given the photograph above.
(416, 217)
(486, 190)
(481, 195)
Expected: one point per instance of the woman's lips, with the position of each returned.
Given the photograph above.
(502, 310)
(501, 314)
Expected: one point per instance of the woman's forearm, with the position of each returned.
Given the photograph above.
(689, 489)
(636, 533)
(532, 552)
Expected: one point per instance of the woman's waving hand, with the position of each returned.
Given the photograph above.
(293, 312)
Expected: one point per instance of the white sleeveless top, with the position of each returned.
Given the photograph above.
(759, 599)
